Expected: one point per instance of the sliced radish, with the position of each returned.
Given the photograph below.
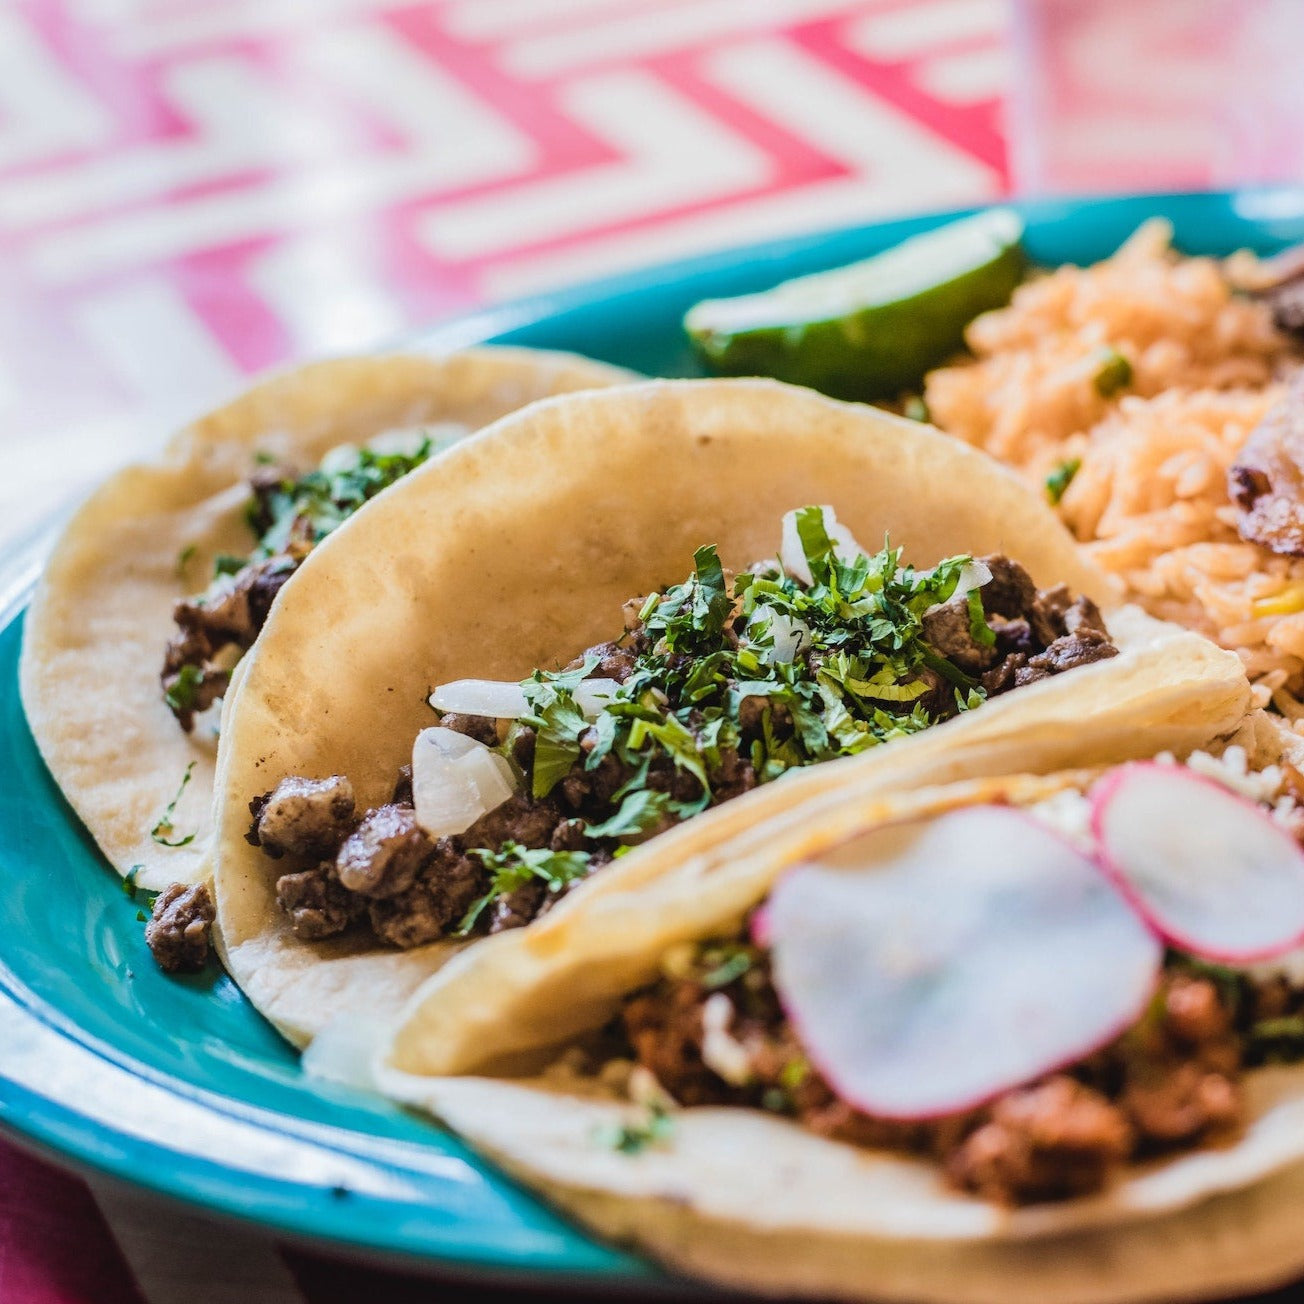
(927, 967)
(456, 780)
(792, 556)
(492, 697)
(1212, 872)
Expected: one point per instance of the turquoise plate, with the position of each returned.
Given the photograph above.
(179, 1086)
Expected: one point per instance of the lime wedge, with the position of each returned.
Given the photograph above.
(872, 329)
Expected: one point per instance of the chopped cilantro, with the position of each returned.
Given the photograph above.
(1061, 477)
(706, 704)
(322, 500)
(1277, 1041)
(161, 832)
(640, 812)
(184, 689)
(557, 723)
(1113, 373)
(226, 563)
(185, 557)
(731, 966)
(513, 866)
(139, 895)
(979, 630)
(655, 1128)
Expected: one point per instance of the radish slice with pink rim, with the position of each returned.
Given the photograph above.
(928, 967)
(1212, 872)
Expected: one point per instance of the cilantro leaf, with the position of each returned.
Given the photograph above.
(184, 690)
(512, 866)
(163, 829)
(641, 811)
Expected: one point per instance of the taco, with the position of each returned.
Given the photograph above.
(1012, 1039)
(162, 579)
(363, 836)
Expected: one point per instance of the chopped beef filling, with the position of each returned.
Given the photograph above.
(288, 515)
(226, 619)
(1266, 482)
(1172, 1080)
(688, 735)
(178, 929)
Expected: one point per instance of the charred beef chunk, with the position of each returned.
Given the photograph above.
(178, 928)
(303, 817)
(384, 854)
(519, 819)
(402, 794)
(947, 632)
(232, 616)
(436, 901)
(1046, 1142)
(520, 907)
(1266, 482)
(482, 728)
(590, 792)
(316, 902)
(614, 661)
(1010, 592)
(1038, 633)
(734, 777)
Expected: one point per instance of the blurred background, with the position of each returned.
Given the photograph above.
(193, 190)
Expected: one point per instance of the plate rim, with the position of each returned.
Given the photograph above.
(40, 1123)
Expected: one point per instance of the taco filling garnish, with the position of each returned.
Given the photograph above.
(990, 997)
(288, 514)
(716, 685)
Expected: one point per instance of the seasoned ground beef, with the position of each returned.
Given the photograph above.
(1171, 1080)
(229, 619)
(303, 817)
(178, 928)
(1037, 633)
(384, 868)
(316, 902)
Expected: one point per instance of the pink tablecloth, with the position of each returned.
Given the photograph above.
(191, 190)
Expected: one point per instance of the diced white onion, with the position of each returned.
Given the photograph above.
(340, 458)
(722, 1053)
(407, 440)
(973, 575)
(591, 695)
(790, 635)
(496, 698)
(456, 780)
(792, 556)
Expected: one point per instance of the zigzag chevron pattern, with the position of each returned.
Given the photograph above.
(194, 189)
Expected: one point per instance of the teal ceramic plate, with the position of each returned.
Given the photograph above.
(179, 1086)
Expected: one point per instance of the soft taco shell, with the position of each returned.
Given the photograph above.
(517, 551)
(102, 614)
(754, 1201)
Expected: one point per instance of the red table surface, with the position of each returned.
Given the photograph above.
(193, 190)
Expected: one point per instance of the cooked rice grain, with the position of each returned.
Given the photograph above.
(1150, 498)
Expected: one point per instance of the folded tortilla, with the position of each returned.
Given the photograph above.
(100, 620)
(516, 553)
(757, 1202)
